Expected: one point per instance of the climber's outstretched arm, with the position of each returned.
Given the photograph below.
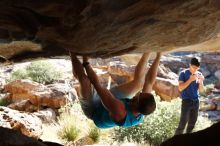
(115, 107)
(151, 75)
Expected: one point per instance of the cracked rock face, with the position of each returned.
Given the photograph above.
(26, 123)
(104, 28)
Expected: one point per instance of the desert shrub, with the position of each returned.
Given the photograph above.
(3, 102)
(68, 130)
(43, 72)
(94, 133)
(69, 133)
(18, 74)
(38, 71)
(158, 126)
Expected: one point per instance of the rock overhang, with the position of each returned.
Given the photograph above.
(105, 28)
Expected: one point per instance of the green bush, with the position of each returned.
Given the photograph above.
(158, 126)
(38, 71)
(3, 102)
(94, 134)
(19, 74)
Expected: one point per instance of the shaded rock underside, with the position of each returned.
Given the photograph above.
(207, 137)
(104, 28)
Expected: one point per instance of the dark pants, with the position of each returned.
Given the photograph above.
(189, 114)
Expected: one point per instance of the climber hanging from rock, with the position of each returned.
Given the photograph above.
(121, 105)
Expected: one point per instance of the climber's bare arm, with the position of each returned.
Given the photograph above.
(115, 107)
(151, 75)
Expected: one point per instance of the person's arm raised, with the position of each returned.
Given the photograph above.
(201, 85)
(151, 75)
(115, 107)
(183, 85)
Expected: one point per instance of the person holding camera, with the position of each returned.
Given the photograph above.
(190, 84)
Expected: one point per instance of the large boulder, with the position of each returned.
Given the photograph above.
(166, 85)
(120, 72)
(24, 105)
(211, 62)
(217, 74)
(167, 89)
(38, 94)
(217, 85)
(26, 123)
(10, 137)
(46, 115)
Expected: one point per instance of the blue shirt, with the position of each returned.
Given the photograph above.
(192, 91)
(102, 119)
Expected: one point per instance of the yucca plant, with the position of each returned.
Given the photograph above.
(68, 133)
(94, 134)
